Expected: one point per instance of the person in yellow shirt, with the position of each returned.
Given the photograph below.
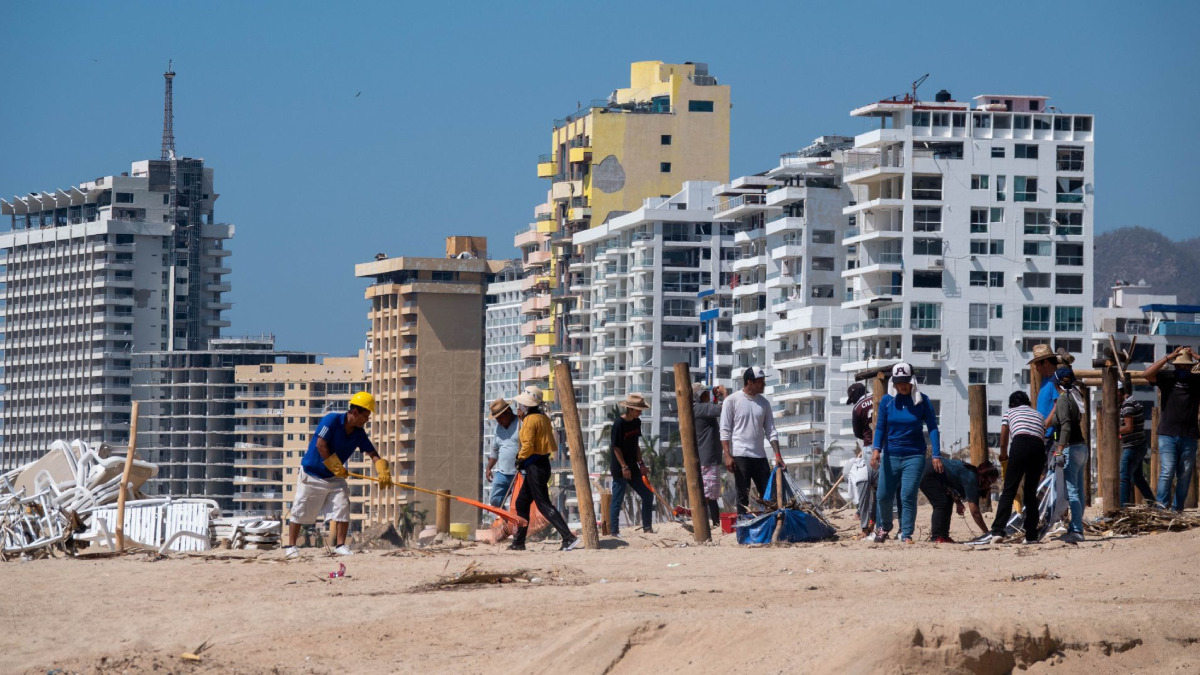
(533, 461)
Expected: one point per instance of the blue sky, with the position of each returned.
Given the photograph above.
(458, 99)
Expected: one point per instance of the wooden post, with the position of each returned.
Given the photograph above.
(133, 425)
(1109, 459)
(1086, 392)
(1035, 384)
(442, 512)
(1194, 489)
(691, 458)
(605, 506)
(1154, 466)
(779, 515)
(564, 391)
(977, 411)
(878, 389)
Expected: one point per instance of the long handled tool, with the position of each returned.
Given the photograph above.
(677, 512)
(512, 518)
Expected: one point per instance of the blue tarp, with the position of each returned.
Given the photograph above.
(798, 526)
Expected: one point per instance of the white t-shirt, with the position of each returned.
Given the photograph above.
(745, 422)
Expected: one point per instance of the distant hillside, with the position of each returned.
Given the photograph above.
(1136, 253)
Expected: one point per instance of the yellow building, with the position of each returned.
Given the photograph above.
(267, 463)
(669, 126)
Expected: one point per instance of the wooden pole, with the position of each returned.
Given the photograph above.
(691, 458)
(779, 514)
(1109, 459)
(605, 506)
(1088, 436)
(977, 411)
(1035, 384)
(1194, 489)
(564, 390)
(442, 512)
(878, 389)
(133, 425)
(1154, 467)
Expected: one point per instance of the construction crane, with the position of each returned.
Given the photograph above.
(919, 81)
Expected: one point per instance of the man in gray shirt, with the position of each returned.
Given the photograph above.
(502, 456)
(706, 412)
(746, 421)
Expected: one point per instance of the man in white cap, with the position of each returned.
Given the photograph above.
(746, 421)
(627, 466)
(1177, 428)
(502, 457)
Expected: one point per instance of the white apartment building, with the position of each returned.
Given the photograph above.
(503, 346)
(92, 274)
(974, 242)
(1158, 322)
(786, 312)
(637, 283)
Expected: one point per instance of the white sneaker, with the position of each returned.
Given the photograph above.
(343, 550)
(291, 552)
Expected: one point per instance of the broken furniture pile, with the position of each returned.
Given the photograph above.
(789, 516)
(68, 499)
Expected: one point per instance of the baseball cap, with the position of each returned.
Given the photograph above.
(855, 392)
(901, 373)
(754, 373)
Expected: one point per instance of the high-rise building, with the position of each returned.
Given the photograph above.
(502, 345)
(92, 274)
(638, 279)
(188, 420)
(974, 243)
(426, 372)
(278, 407)
(671, 124)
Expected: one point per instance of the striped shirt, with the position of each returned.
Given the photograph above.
(1133, 408)
(1023, 420)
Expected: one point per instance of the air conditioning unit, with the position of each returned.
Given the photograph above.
(935, 357)
(937, 263)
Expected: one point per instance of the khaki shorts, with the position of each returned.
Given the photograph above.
(318, 496)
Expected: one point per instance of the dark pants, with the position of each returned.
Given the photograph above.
(619, 486)
(1026, 460)
(933, 486)
(746, 469)
(1133, 474)
(714, 511)
(534, 489)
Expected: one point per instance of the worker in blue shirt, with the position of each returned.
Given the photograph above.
(1045, 361)
(321, 487)
(904, 414)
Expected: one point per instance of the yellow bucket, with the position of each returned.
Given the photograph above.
(460, 531)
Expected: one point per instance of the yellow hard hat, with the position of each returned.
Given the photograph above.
(364, 400)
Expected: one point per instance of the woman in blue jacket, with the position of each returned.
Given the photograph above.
(900, 451)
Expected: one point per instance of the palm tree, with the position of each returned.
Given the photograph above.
(409, 521)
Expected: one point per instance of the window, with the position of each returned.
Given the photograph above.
(124, 197)
(1025, 151)
(987, 247)
(1025, 189)
(665, 139)
(927, 187)
(996, 214)
(822, 236)
(1083, 124)
(1073, 345)
(983, 343)
(1070, 190)
(664, 167)
(929, 376)
(927, 279)
(1069, 158)
(1035, 104)
(995, 409)
(979, 182)
(996, 279)
(1068, 319)
(1068, 284)
(927, 246)
(998, 151)
(926, 344)
(995, 375)
(920, 119)
(1021, 121)
(1068, 254)
(700, 106)
(977, 376)
(997, 311)
(1001, 187)
(1035, 280)
(927, 219)
(1037, 221)
(977, 316)
(941, 119)
(982, 121)
(1035, 317)
(436, 275)
(1037, 248)
(1002, 121)
(977, 278)
(979, 221)
(1069, 222)
(925, 316)
(1062, 123)
(958, 120)
(1041, 123)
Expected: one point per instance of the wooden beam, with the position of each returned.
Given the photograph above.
(691, 457)
(442, 512)
(1110, 443)
(977, 412)
(873, 372)
(564, 391)
(1087, 438)
(1035, 384)
(133, 425)
(1154, 465)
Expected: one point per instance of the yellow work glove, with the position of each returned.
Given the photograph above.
(336, 467)
(385, 474)
(1003, 469)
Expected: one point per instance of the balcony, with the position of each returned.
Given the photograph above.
(785, 195)
(787, 250)
(563, 190)
(1178, 329)
(863, 168)
(538, 257)
(741, 206)
(785, 224)
(538, 303)
(526, 238)
(872, 327)
(879, 204)
(535, 351)
(581, 154)
(887, 262)
(546, 168)
(579, 213)
(867, 296)
(746, 262)
(879, 137)
(740, 318)
(798, 390)
(786, 355)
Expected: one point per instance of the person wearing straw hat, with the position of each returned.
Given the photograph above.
(899, 451)
(626, 464)
(502, 456)
(533, 461)
(1177, 428)
(1045, 361)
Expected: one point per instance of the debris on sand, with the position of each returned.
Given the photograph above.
(1032, 577)
(1134, 520)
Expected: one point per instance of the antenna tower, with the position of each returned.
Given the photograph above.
(168, 140)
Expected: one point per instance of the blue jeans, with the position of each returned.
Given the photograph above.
(1177, 459)
(899, 474)
(1133, 474)
(500, 483)
(619, 486)
(1074, 474)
